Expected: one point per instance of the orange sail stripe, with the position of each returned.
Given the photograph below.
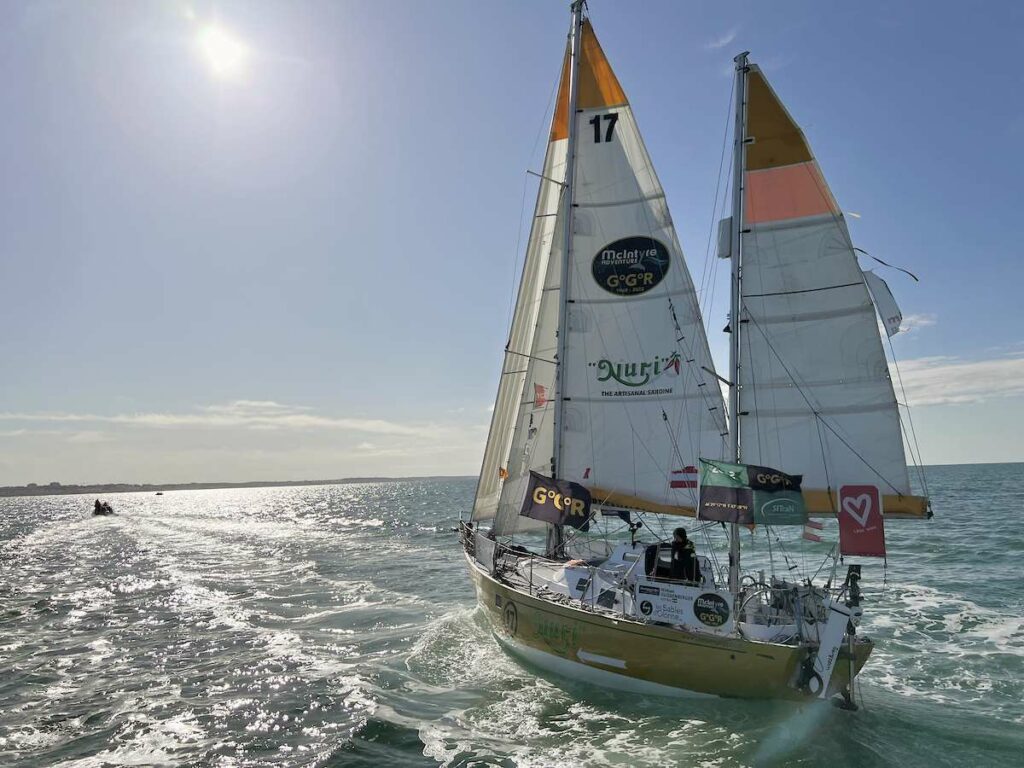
(598, 86)
(787, 192)
(777, 139)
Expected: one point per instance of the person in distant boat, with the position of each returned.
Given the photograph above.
(102, 508)
(685, 566)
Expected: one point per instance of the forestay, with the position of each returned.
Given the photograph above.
(817, 399)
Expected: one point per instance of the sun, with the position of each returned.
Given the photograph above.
(225, 54)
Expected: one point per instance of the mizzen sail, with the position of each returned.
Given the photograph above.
(817, 397)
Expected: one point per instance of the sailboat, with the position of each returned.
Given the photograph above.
(610, 417)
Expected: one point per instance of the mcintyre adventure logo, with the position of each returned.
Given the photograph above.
(631, 266)
(640, 374)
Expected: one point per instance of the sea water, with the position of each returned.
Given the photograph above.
(336, 625)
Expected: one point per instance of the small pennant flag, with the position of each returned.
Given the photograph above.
(586, 474)
(684, 478)
(540, 395)
(809, 530)
(503, 473)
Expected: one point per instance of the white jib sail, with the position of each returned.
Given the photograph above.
(531, 341)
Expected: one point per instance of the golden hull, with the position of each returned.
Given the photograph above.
(632, 655)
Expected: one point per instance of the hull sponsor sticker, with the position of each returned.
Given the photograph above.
(711, 609)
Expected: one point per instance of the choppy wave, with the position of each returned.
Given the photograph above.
(335, 626)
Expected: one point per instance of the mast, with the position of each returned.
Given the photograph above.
(567, 216)
(735, 323)
(576, 28)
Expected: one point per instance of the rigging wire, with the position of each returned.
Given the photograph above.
(544, 121)
(918, 460)
(711, 260)
(815, 412)
(887, 264)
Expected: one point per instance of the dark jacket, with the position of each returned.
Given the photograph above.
(685, 565)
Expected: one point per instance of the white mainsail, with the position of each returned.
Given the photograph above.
(817, 399)
(641, 404)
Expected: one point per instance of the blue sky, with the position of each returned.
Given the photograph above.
(304, 270)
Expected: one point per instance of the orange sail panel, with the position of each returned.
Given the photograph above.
(783, 180)
(598, 86)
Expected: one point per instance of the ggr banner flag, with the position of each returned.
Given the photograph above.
(557, 501)
(749, 494)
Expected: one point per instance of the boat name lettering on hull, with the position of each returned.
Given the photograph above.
(558, 636)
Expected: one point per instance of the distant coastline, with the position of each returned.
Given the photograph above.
(103, 489)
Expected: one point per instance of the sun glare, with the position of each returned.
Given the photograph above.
(225, 54)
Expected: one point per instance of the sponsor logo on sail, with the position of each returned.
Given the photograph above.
(631, 266)
(630, 374)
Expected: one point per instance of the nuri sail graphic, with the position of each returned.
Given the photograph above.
(635, 401)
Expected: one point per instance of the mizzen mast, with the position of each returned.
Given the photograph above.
(735, 312)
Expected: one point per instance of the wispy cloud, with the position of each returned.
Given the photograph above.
(88, 437)
(944, 380)
(252, 414)
(916, 322)
(910, 323)
(721, 41)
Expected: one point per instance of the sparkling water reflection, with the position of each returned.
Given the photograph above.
(335, 625)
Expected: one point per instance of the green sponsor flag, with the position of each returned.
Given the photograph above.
(725, 494)
(749, 494)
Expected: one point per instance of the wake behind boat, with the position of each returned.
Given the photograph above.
(609, 411)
